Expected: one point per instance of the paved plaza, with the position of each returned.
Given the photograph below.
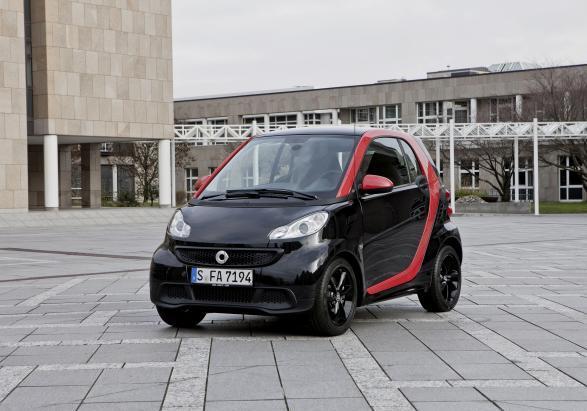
(77, 331)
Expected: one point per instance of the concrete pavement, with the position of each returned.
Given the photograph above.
(77, 331)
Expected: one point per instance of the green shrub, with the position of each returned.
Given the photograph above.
(126, 199)
(463, 192)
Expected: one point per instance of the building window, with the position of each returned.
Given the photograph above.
(250, 119)
(391, 114)
(469, 174)
(501, 109)
(191, 122)
(287, 120)
(211, 170)
(364, 115)
(220, 121)
(430, 113)
(191, 176)
(525, 181)
(570, 184)
(461, 111)
(312, 119)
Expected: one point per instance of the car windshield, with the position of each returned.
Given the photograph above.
(300, 166)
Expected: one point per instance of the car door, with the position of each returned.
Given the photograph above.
(392, 221)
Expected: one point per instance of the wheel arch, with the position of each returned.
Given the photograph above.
(456, 244)
(357, 268)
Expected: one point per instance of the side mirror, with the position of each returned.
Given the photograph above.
(372, 184)
(200, 182)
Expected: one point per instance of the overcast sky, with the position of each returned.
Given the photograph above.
(226, 46)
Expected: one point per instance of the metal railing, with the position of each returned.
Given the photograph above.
(437, 133)
(221, 134)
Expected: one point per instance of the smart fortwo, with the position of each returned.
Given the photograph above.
(311, 223)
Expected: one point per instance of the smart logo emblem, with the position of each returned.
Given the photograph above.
(221, 257)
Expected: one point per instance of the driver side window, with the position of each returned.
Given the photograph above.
(384, 158)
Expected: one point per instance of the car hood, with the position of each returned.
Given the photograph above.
(247, 226)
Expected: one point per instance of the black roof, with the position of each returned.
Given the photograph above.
(338, 130)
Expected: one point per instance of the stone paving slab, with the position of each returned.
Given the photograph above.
(77, 330)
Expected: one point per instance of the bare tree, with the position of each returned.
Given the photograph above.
(143, 162)
(496, 158)
(561, 95)
(557, 95)
(576, 150)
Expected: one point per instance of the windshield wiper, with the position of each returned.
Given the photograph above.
(212, 196)
(260, 192)
(289, 193)
(269, 192)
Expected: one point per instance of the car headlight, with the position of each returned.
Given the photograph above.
(177, 227)
(302, 227)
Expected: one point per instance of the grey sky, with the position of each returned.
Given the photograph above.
(224, 46)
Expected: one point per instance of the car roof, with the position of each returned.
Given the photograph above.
(337, 130)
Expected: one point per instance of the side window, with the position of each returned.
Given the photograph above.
(384, 158)
(411, 161)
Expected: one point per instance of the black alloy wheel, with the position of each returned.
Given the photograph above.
(444, 289)
(340, 293)
(335, 300)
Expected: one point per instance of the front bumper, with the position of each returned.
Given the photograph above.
(287, 286)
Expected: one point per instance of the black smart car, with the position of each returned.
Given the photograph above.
(313, 222)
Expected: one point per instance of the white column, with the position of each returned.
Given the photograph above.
(114, 182)
(473, 110)
(519, 100)
(300, 119)
(173, 193)
(536, 181)
(164, 174)
(335, 117)
(254, 128)
(266, 121)
(452, 164)
(516, 170)
(51, 172)
(438, 153)
(256, 165)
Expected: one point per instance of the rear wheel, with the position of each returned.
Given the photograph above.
(335, 300)
(445, 286)
(181, 317)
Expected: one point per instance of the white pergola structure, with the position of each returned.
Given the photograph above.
(535, 131)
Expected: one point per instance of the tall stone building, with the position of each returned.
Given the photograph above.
(13, 133)
(82, 72)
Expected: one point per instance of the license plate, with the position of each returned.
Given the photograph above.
(221, 276)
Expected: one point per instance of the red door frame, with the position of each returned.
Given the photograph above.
(434, 189)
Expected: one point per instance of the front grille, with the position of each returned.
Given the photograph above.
(236, 257)
(275, 298)
(234, 295)
(177, 292)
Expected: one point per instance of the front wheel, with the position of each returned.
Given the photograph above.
(181, 317)
(335, 299)
(445, 285)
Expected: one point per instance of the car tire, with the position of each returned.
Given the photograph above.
(335, 299)
(181, 317)
(444, 289)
